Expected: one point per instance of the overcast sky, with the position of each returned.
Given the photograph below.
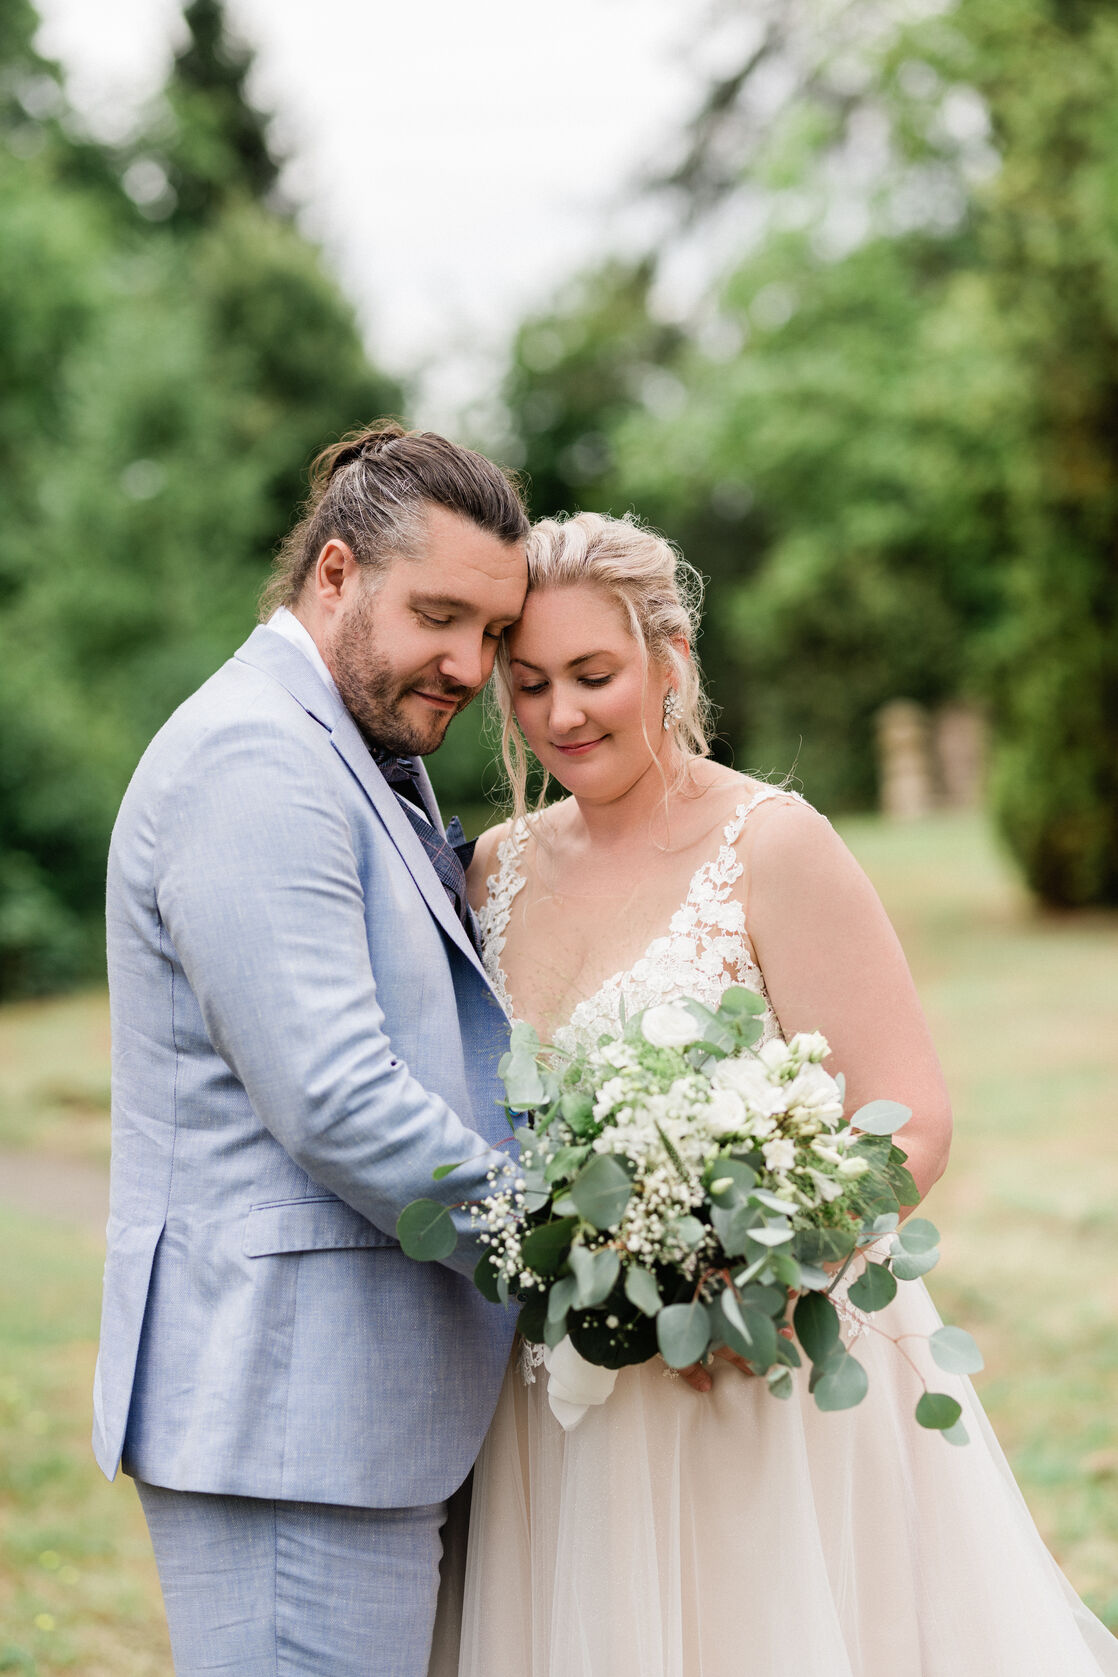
(456, 159)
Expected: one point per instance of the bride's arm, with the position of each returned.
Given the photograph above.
(832, 963)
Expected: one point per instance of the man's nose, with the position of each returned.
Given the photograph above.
(469, 661)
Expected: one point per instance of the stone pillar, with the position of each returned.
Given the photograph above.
(905, 772)
(959, 739)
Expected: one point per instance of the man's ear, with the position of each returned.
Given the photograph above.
(335, 571)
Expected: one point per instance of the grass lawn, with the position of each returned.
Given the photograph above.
(1025, 1010)
(78, 1590)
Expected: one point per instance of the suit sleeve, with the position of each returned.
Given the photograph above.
(258, 887)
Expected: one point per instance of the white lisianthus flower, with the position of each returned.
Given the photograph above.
(826, 1186)
(725, 1112)
(780, 1154)
(774, 1054)
(810, 1045)
(825, 1151)
(749, 1080)
(670, 1026)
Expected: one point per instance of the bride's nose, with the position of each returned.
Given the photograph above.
(567, 713)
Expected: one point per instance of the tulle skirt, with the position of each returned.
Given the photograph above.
(730, 1534)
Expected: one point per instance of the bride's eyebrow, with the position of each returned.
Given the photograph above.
(573, 665)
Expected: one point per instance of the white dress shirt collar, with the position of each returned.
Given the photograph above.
(286, 623)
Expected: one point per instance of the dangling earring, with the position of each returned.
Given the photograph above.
(673, 710)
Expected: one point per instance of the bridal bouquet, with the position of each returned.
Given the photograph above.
(680, 1189)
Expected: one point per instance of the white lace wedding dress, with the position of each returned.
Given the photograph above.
(676, 1534)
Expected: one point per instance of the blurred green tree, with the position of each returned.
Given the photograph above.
(1048, 71)
(166, 382)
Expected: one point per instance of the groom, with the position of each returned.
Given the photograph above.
(302, 1032)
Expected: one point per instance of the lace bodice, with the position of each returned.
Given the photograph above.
(705, 949)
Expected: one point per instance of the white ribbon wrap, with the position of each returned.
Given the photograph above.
(573, 1384)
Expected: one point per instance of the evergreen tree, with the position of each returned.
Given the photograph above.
(212, 142)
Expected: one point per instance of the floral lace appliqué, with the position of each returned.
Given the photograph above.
(705, 949)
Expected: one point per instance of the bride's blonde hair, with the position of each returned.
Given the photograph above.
(659, 594)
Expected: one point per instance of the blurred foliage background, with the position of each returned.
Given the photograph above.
(885, 426)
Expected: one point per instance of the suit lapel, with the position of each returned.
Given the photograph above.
(270, 652)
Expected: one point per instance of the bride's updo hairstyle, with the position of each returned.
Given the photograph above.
(658, 593)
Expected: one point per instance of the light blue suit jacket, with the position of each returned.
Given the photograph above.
(302, 1031)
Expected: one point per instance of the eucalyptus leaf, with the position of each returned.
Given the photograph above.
(544, 1249)
(486, 1279)
(812, 1278)
(738, 1002)
(426, 1232)
(843, 1384)
(769, 1299)
(578, 1112)
(817, 1326)
(917, 1236)
(690, 1231)
(565, 1161)
(641, 1290)
(596, 1274)
(880, 1117)
(885, 1224)
(554, 1331)
(732, 1227)
(760, 1334)
(518, 1071)
(683, 1333)
(773, 1202)
(955, 1351)
(601, 1191)
(874, 1289)
(738, 1174)
(533, 1318)
(957, 1434)
(772, 1234)
(909, 1266)
(780, 1382)
(785, 1270)
(442, 1171)
(561, 1297)
(937, 1411)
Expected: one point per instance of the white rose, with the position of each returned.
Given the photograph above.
(670, 1026)
(774, 1053)
(779, 1154)
(725, 1112)
(750, 1080)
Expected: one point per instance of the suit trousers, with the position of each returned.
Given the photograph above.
(260, 1588)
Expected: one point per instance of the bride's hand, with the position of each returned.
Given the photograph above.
(698, 1376)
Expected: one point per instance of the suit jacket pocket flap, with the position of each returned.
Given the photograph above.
(314, 1225)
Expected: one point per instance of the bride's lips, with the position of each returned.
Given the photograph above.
(580, 748)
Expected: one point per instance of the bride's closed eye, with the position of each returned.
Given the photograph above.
(584, 681)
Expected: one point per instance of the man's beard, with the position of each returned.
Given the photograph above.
(372, 691)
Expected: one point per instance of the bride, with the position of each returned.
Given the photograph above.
(697, 1527)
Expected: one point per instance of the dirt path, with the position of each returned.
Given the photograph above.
(67, 1189)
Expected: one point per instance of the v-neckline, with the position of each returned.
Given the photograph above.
(515, 881)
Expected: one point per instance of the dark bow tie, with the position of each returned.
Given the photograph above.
(450, 857)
